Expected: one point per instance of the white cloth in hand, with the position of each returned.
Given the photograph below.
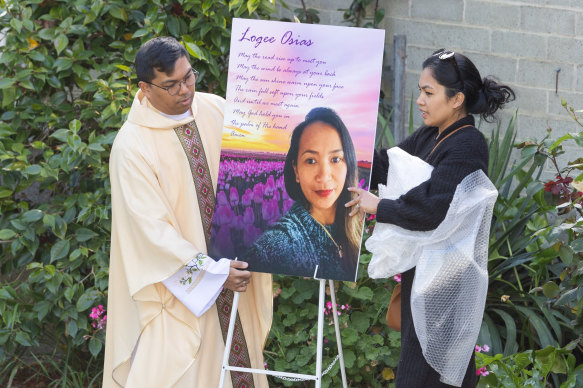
(392, 247)
(198, 284)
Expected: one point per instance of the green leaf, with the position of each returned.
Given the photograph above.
(559, 141)
(577, 245)
(95, 346)
(32, 215)
(8, 97)
(16, 24)
(141, 32)
(349, 358)
(349, 336)
(91, 16)
(510, 345)
(86, 300)
(60, 250)
(23, 338)
(566, 254)
(60, 228)
(69, 293)
(551, 290)
(84, 234)
(123, 67)
(47, 33)
(49, 220)
(63, 64)
(234, 4)
(194, 50)
(42, 308)
(61, 43)
(75, 125)
(173, 26)
(158, 26)
(360, 321)
(544, 335)
(522, 360)
(363, 293)
(6, 82)
(252, 5)
(96, 147)
(61, 134)
(5, 193)
(72, 328)
(119, 13)
(34, 169)
(7, 234)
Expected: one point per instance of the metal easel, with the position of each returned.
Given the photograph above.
(286, 375)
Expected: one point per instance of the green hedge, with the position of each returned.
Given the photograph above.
(66, 85)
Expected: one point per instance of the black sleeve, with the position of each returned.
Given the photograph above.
(380, 167)
(425, 206)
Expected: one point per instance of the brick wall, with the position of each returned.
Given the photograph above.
(523, 43)
(328, 10)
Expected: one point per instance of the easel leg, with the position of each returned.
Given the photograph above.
(320, 341)
(229, 340)
(337, 328)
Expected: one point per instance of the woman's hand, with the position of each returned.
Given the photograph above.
(365, 202)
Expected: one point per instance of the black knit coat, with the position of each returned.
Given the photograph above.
(421, 209)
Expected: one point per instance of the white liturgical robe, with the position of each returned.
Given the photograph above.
(153, 339)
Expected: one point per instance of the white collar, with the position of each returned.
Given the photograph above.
(179, 117)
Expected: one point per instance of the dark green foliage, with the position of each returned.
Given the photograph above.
(66, 85)
(535, 292)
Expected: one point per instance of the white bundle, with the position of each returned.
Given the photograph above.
(451, 278)
(392, 247)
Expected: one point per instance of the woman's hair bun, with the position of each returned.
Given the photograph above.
(491, 97)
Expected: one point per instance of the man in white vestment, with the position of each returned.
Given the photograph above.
(169, 303)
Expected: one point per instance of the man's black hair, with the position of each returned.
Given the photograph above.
(159, 53)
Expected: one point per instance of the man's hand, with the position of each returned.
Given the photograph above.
(238, 278)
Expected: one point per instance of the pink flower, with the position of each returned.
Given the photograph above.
(484, 348)
(371, 217)
(482, 372)
(329, 305)
(397, 277)
(99, 322)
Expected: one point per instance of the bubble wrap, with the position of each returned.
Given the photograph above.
(451, 278)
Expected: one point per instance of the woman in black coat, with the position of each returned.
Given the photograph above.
(451, 90)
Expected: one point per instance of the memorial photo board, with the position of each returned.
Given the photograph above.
(299, 128)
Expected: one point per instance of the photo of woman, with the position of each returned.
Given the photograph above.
(316, 237)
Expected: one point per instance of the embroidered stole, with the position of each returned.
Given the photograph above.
(191, 143)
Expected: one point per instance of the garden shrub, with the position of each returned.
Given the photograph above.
(66, 85)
